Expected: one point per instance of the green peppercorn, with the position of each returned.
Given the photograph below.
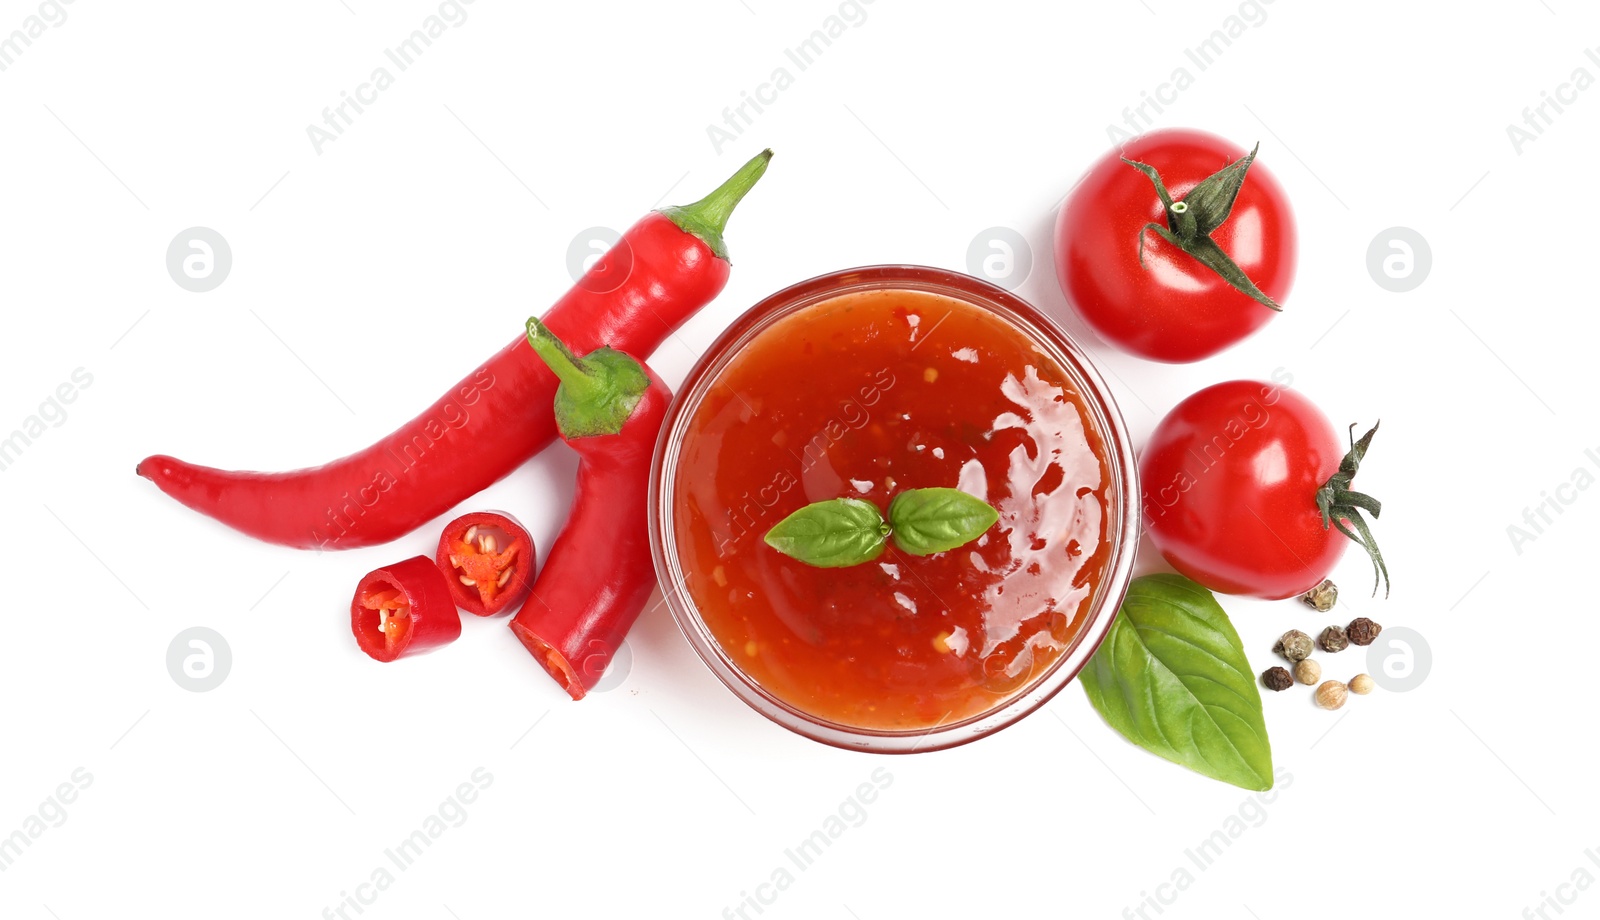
(1322, 597)
(1277, 679)
(1362, 631)
(1294, 645)
(1333, 639)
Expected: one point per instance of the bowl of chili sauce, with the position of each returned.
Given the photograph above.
(862, 384)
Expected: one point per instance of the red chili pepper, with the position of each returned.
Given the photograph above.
(404, 609)
(609, 408)
(663, 270)
(488, 561)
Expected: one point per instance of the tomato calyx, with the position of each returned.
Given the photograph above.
(1340, 504)
(1191, 221)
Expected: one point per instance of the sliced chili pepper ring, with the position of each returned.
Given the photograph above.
(488, 560)
(404, 609)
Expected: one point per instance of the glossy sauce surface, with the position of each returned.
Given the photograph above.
(867, 395)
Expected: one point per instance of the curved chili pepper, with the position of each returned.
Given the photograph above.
(404, 609)
(609, 408)
(488, 561)
(664, 269)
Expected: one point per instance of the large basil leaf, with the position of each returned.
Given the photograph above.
(1172, 677)
(831, 534)
(927, 521)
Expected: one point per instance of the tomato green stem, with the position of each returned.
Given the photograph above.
(1191, 221)
(1181, 220)
(1341, 506)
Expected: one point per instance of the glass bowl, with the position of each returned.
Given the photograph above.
(1122, 519)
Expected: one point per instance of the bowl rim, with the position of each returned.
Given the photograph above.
(1122, 523)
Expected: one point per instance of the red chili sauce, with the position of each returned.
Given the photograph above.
(866, 395)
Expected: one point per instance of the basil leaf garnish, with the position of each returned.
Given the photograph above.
(1173, 678)
(831, 534)
(848, 531)
(927, 521)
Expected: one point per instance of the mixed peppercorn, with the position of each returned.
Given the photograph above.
(1296, 647)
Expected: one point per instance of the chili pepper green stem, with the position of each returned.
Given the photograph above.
(708, 217)
(598, 391)
(559, 358)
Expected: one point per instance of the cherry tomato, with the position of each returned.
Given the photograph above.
(1230, 480)
(1172, 308)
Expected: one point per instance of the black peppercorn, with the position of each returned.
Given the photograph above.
(1277, 679)
(1333, 639)
(1362, 631)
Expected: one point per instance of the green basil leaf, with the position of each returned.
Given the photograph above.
(927, 521)
(1172, 677)
(831, 534)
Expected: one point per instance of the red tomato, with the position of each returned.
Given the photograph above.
(1172, 308)
(1230, 478)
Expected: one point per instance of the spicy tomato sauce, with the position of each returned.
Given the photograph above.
(866, 395)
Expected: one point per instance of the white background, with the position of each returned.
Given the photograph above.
(368, 278)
